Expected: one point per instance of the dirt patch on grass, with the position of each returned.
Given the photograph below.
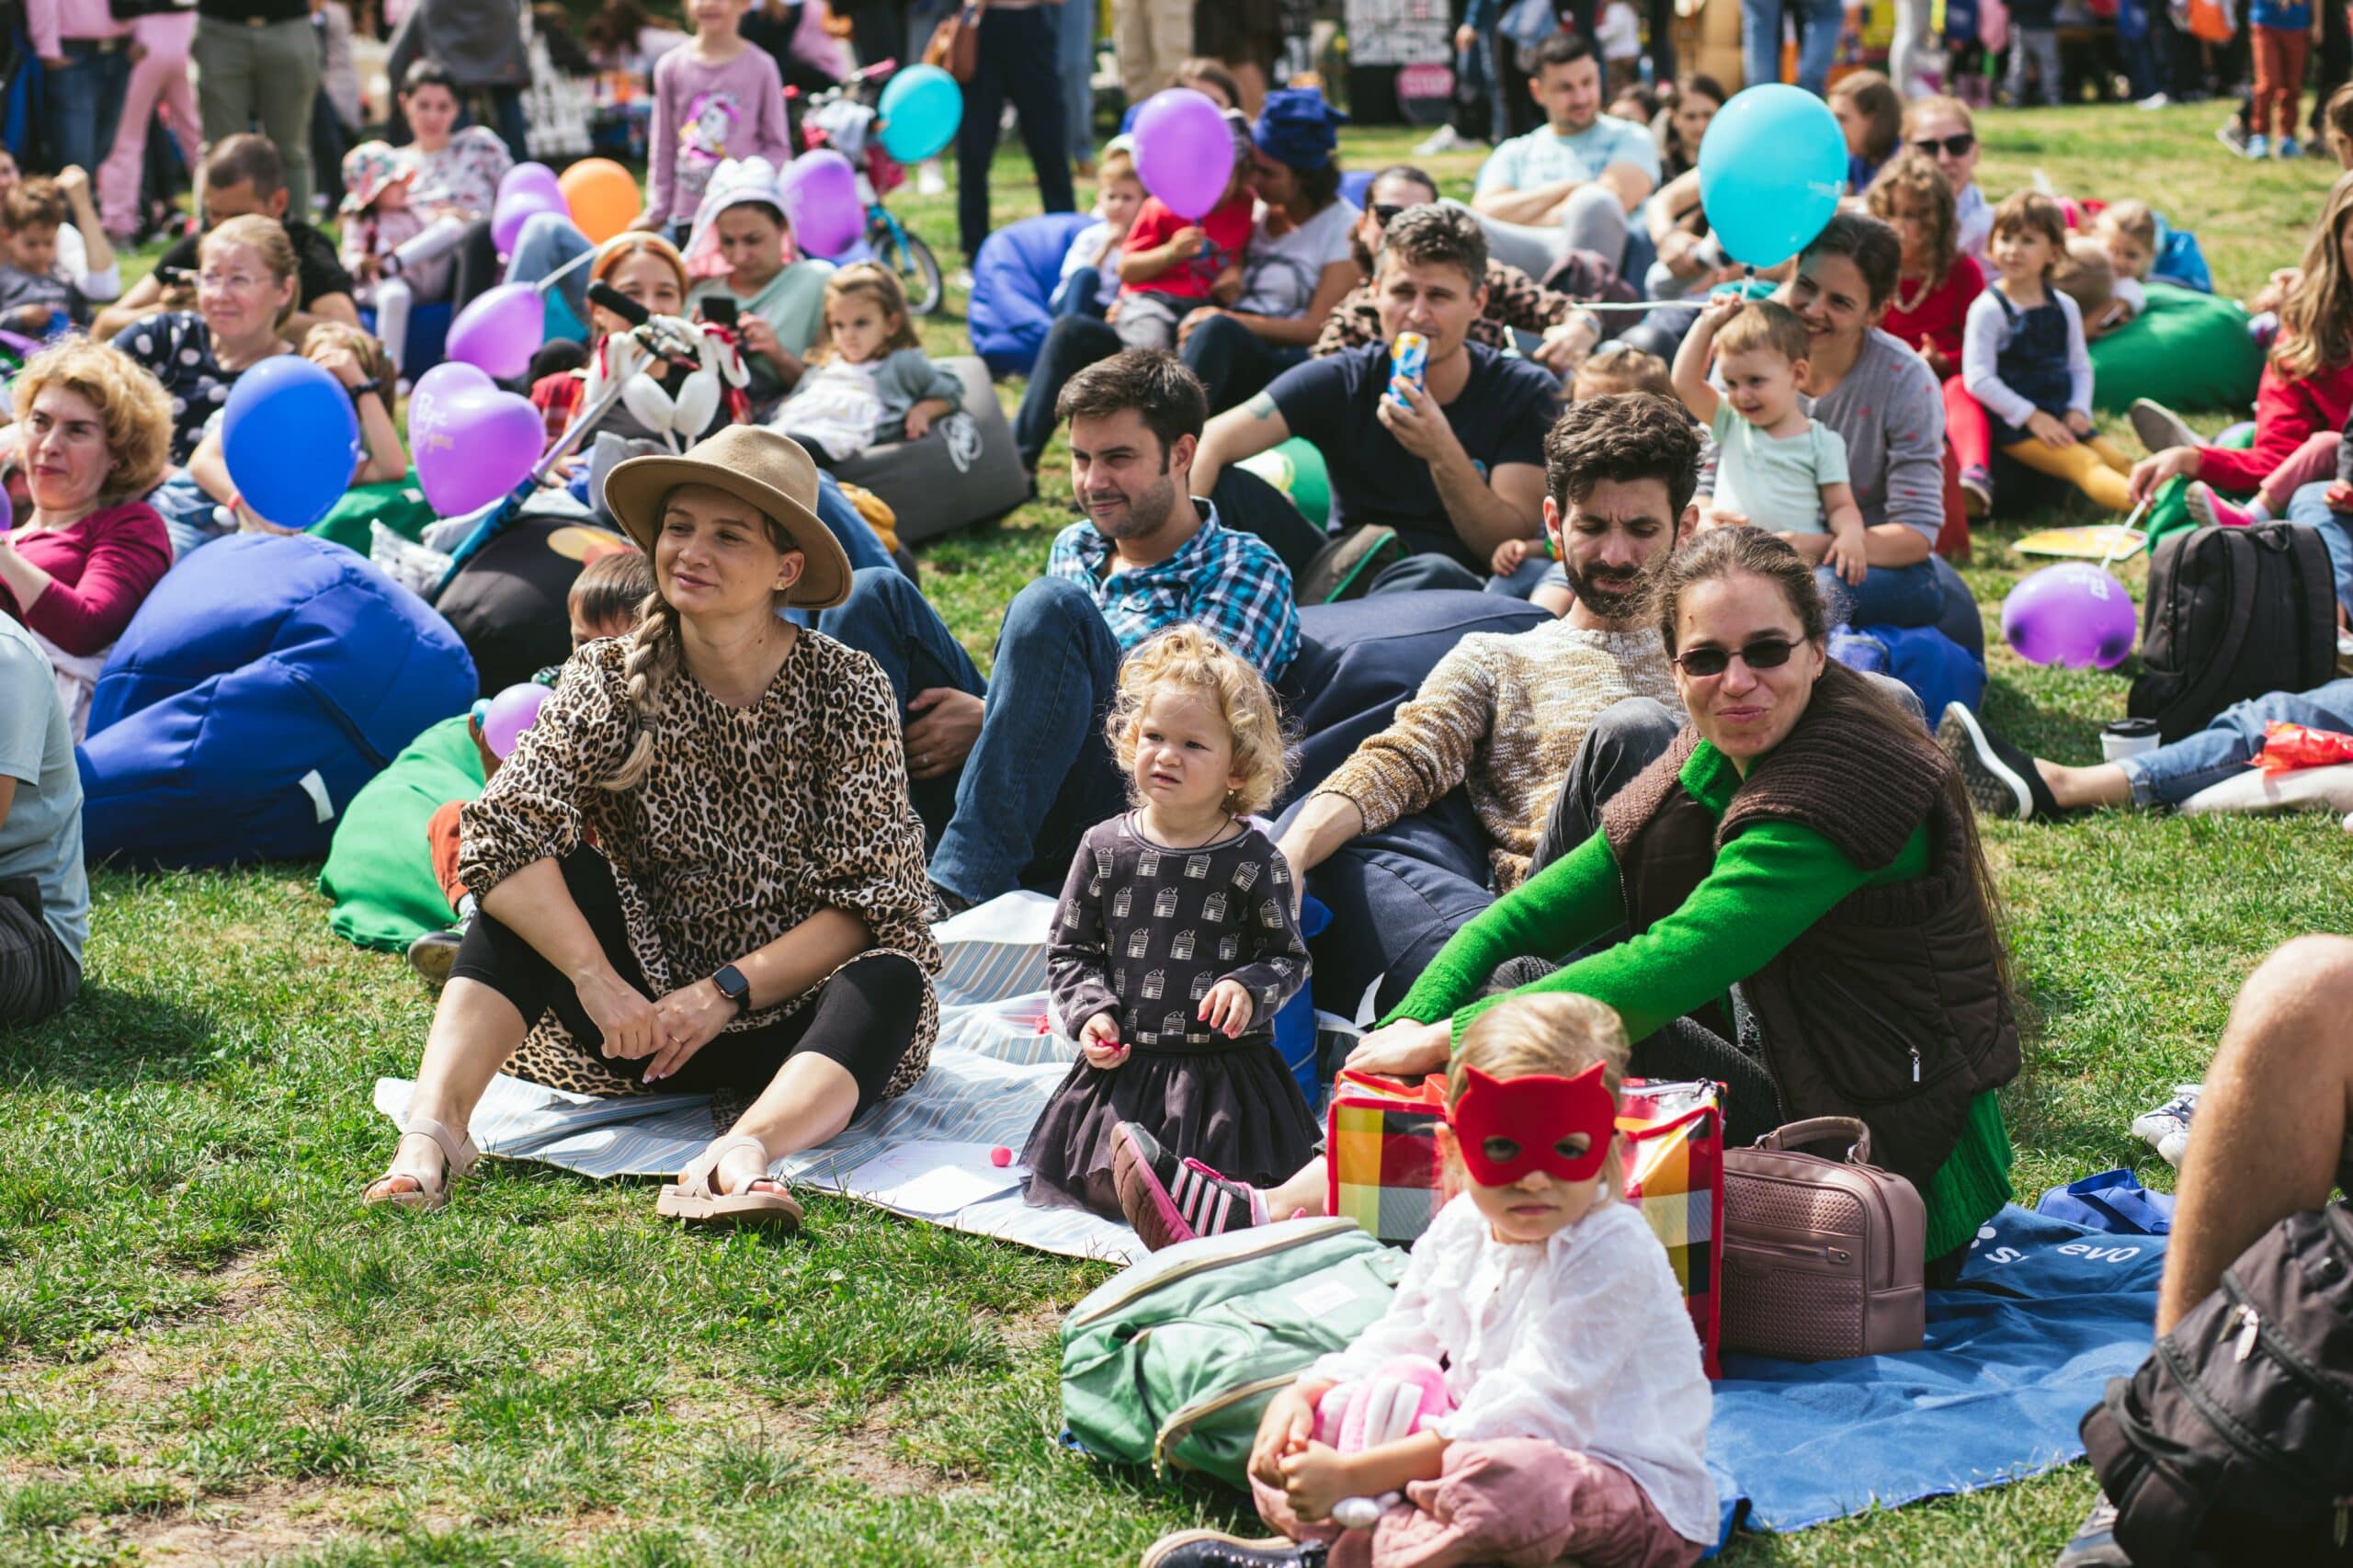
(865, 1453)
(270, 1522)
(1033, 1327)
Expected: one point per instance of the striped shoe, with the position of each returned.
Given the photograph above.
(1169, 1200)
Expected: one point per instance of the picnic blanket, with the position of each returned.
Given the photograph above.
(2044, 1314)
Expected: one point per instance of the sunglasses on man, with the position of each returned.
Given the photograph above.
(1383, 213)
(1765, 653)
(1951, 146)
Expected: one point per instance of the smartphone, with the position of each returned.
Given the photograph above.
(721, 310)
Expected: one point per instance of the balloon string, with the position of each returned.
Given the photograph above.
(544, 284)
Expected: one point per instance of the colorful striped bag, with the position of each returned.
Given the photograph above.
(1386, 1173)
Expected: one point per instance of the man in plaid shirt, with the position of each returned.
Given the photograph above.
(1007, 773)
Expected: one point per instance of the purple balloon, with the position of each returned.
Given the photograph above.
(511, 712)
(474, 442)
(518, 207)
(820, 191)
(501, 330)
(528, 176)
(2073, 614)
(1184, 152)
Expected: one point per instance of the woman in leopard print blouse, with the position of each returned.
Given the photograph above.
(757, 923)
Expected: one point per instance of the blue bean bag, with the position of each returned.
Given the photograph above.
(1013, 278)
(262, 684)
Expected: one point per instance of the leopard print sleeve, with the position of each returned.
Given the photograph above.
(865, 853)
(535, 806)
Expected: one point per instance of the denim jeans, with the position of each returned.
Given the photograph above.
(82, 99)
(1234, 362)
(1760, 40)
(1074, 62)
(1042, 773)
(2171, 774)
(2309, 507)
(1079, 294)
(546, 242)
(1888, 596)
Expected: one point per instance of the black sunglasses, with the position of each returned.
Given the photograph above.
(1952, 146)
(1765, 653)
(1385, 212)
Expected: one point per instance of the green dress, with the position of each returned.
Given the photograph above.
(1768, 887)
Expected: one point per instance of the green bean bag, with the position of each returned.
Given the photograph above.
(2187, 350)
(379, 871)
(399, 505)
(1296, 470)
(2170, 513)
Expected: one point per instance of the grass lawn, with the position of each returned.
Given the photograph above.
(207, 1351)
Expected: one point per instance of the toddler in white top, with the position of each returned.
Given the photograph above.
(1571, 1412)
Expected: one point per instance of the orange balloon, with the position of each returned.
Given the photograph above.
(603, 197)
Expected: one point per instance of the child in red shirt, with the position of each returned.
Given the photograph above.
(1933, 291)
(1169, 266)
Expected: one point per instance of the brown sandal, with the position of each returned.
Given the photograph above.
(693, 1200)
(458, 1157)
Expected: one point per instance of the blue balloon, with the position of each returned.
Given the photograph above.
(1772, 167)
(920, 110)
(292, 440)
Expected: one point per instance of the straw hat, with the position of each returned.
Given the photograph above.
(763, 469)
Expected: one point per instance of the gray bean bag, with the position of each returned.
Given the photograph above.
(963, 472)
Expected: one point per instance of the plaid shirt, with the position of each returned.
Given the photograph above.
(1230, 583)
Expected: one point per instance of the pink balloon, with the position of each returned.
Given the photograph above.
(474, 443)
(2070, 614)
(820, 191)
(1184, 150)
(501, 330)
(511, 713)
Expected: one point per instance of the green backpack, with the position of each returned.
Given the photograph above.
(1174, 1361)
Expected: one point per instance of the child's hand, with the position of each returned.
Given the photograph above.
(2049, 431)
(73, 182)
(30, 319)
(1845, 557)
(1315, 1478)
(1285, 1429)
(1098, 1040)
(1720, 309)
(2080, 424)
(1188, 242)
(1508, 556)
(2340, 496)
(1227, 1007)
(919, 420)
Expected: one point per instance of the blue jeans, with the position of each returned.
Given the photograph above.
(2309, 507)
(1888, 596)
(1074, 62)
(1078, 295)
(1760, 40)
(1042, 773)
(546, 242)
(2170, 775)
(82, 99)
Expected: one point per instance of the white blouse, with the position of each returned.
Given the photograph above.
(1583, 1341)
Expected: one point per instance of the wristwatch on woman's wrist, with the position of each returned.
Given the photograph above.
(733, 986)
(361, 388)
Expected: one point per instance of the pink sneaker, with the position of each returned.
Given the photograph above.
(1169, 1200)
(2211, 511)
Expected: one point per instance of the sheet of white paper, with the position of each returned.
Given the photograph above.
(930, 1179)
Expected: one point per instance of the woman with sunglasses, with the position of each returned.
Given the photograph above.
(1800, 872)
(1943, 128)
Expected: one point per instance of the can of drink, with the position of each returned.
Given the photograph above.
(1409, 360)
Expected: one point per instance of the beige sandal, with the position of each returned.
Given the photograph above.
(458, 1157)
(693, 1200)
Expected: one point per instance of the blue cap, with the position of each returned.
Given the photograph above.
(1297, 129)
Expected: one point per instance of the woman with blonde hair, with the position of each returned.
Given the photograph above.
(94, 432)
(752, 921)
(246, 288)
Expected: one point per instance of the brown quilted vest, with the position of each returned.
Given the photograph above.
(1890, 1007)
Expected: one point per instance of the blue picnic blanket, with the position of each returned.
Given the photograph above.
(2044, 1314)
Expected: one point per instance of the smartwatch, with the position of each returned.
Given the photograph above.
(733, 986)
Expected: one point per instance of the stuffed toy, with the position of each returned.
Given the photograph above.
(1397, 1401)
(674, 377)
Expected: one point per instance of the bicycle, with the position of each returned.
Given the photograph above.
(841, 118)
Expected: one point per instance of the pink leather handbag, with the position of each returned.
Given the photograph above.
(1822, 1257)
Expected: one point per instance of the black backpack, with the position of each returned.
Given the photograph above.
(2234, 1439)
(2233, 613)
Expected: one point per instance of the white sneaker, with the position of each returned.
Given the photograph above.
(929, 180)
(1444, 139)
(2153, 101)
(2167, 1128)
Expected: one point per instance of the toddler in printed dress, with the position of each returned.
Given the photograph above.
(1177, 942)
(1563, 1409)
(867, 381)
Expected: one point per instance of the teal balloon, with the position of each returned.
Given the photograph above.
(920, 110)
(1772, 167)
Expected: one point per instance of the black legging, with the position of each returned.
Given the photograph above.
(1684, 1050)
(864, 1017)
(478, 267)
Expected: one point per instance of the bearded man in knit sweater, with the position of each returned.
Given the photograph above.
(1401, 861)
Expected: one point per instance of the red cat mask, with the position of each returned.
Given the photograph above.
(1526, 1119)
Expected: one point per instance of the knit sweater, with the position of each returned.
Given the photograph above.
(1501, 715)
(1770, 883)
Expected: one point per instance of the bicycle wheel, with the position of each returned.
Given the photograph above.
(912, 259)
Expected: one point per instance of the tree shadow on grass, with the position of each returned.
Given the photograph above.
(111, 1038)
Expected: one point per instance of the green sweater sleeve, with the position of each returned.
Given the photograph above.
(1567, 904)
(1768, 886)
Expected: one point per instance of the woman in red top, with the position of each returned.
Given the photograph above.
(94, 434)
(1932, 298)
(2307, 387)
